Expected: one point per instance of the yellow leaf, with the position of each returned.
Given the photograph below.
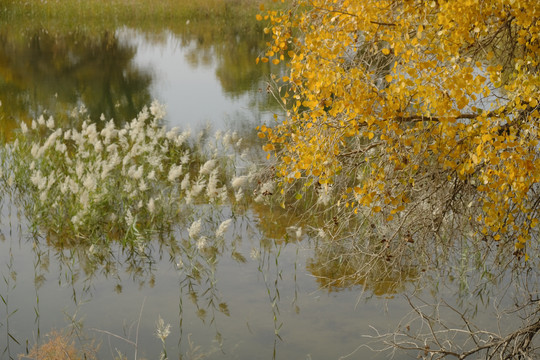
(386, 51)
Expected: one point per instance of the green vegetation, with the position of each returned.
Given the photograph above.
(142, 14)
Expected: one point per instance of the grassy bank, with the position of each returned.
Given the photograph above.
(148, 15)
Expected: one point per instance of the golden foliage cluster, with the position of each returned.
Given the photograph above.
(409, 97)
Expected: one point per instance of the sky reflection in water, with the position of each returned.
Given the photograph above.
(193, 94)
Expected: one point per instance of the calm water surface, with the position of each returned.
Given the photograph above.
(312, 322)
(189, 82)
(262, 299)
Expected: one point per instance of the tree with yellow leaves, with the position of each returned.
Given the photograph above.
(423, 114)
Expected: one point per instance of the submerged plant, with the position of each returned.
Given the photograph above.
(60, 346)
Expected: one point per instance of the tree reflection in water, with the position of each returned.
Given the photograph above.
(55, 72)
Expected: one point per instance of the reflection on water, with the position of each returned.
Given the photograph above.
(199, 85)
(200, 76)
(53, 72)
(242, 298)
(337, 267)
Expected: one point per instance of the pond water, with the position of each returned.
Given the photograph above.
(267, 293)
(193, 84)
(262, 302)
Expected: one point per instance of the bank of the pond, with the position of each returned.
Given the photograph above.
(133, 13)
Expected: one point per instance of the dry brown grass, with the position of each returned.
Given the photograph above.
(60, 346)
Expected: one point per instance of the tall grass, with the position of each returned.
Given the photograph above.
(132, 13)
(97, 182)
